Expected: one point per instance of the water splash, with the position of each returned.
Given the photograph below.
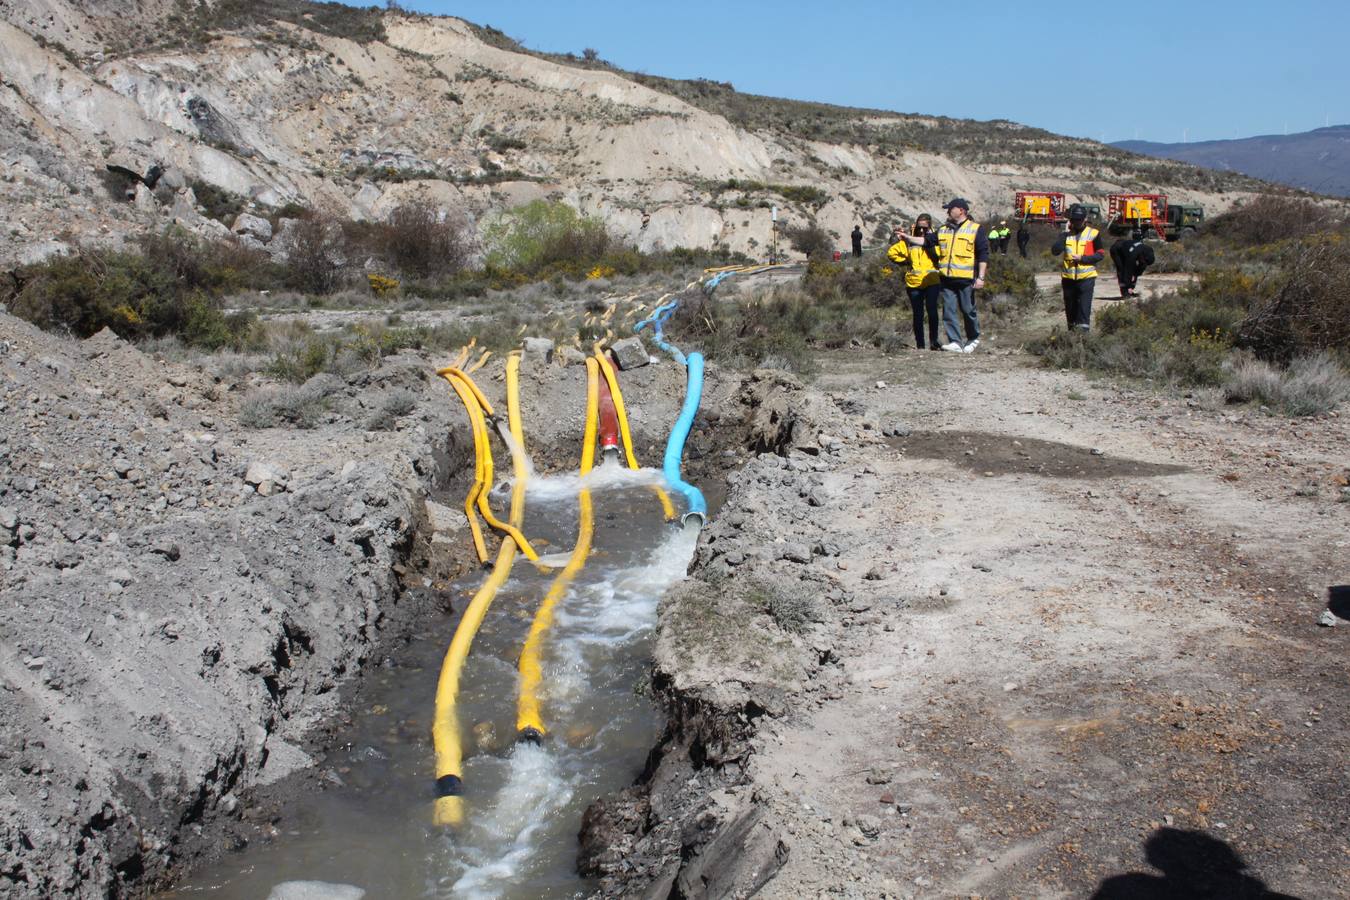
(497, 850)
(517, 451)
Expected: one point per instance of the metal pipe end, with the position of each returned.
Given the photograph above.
(698, 519)
(530, 735)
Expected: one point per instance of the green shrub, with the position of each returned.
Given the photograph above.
(218, 203)
(810, 239)
(295, 406)
(546, 236)
(1271, 217)
(1014, 278)
(170, 286)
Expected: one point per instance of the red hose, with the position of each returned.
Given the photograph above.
(609, 420)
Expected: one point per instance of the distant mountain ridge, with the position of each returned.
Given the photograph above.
(1317, 160)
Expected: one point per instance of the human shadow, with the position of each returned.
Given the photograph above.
(1338, 600)
(1194, 866)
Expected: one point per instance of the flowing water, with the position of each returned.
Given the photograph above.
(524, 802)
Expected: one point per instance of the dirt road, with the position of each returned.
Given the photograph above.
(1082, 616)
(1067, 644)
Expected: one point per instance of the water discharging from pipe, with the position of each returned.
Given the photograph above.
(524, 802)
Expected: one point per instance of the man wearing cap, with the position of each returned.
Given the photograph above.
(1081, 252)
(963, 256)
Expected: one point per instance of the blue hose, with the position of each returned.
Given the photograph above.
(697, 507)
(670, 467)
(679, 434)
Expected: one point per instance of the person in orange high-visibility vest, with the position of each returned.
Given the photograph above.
(1081, 249)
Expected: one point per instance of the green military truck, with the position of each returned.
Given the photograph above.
(1182, 221)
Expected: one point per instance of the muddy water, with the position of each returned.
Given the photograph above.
(524, 802)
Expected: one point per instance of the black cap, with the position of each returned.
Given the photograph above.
(1078, 211)
(959, 201)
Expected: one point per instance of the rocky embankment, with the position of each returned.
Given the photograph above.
(183, 597)
(745, 638)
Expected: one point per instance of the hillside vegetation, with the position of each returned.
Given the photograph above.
(358, 111)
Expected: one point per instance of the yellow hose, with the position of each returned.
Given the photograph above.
(613, 381)
(445, 731)
(472, 385)
(475, 403)
(529, 724)
(466, 397)
(517, 429)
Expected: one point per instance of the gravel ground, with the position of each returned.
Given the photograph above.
(987, 630)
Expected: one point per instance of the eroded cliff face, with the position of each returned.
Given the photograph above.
(356, 118)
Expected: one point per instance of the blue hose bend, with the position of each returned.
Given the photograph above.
(697, 507)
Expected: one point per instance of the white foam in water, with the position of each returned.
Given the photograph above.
(606, 476)
(506, 832)
(501, 837)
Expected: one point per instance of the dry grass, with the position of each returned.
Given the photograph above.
(1312, 385)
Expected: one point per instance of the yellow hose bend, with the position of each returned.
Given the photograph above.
(529, 723)
(625, 434)
(467, 398)
(472, 385)
(454, 376)
(445, 730)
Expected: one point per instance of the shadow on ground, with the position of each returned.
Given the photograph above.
(1002, 454)
(1338, 600)
(1194, 866)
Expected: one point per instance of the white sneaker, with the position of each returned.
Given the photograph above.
(952, 347)
(970, 348)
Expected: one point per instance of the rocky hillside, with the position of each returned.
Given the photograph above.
(206, 109)
(1317, 160)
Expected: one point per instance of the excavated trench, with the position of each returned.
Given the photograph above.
(362, 817)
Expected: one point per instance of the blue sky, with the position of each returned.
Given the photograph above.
(1206, 69)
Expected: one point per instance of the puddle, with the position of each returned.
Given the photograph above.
(523, 802)
(1006, 455)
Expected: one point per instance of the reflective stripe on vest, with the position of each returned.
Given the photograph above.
(1076, 245)
(956, 249)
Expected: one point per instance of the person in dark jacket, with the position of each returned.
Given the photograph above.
(857, 241)
(1132, 257)
(1080, 248)
(1023, 238)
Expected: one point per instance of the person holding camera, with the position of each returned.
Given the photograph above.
(962, 249)
(921, 281)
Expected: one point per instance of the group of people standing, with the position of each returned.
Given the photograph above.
(946, 265)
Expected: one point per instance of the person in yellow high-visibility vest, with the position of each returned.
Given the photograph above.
(1081, 249)
(962, 247)
(921, 281)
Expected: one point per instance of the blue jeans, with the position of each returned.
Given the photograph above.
(959, 294)
(923, 299)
